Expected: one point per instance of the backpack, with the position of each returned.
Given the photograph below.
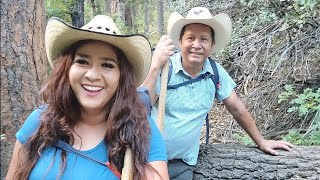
(214, 78)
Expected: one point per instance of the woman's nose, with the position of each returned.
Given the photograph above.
(93, 74)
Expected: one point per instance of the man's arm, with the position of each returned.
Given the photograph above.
(245, 120)
(162, 53)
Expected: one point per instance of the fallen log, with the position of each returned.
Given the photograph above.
(233, 161)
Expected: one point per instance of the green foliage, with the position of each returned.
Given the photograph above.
(58, 8)
(305, 103)
(260, 10)
(179, 5)
(286, 94)
(63, 9)
(244, 138)
(297, 138)
(297, 12)
(294, 12)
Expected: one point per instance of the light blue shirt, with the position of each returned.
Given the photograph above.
(77, 167)
(186, 109)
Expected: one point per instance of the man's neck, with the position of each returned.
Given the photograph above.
(193, 69)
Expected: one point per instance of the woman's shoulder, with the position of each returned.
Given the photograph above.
(31, 125)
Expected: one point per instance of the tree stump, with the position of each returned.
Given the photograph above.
(233, 161)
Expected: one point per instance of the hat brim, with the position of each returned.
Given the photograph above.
(60, 36)
(221, 24)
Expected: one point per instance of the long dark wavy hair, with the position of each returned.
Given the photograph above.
(127, 124)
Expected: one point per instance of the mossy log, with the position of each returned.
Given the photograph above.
(233, 161)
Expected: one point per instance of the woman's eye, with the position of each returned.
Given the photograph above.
(108, 65)
(81, 61)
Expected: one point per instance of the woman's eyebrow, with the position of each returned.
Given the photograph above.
(82, 55)
(102, 58)
(109, 59)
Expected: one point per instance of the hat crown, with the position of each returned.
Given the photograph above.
(199, 13)
(102, 24)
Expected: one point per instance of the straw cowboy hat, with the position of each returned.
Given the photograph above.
(59, 36)
(221, 24)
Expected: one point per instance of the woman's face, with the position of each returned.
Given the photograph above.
(94, 75)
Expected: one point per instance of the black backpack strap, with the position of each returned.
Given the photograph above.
(215, 78)
(199, 78)
(64, 146)
(207, 128)
(169, 71)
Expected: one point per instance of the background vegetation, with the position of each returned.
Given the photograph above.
(273, 56)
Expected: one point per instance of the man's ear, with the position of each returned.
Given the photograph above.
(212, 45)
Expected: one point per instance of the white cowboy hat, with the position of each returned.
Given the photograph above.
(59, 36)
(221, 24)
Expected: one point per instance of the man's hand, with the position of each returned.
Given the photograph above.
(269, 146)
(163, 51)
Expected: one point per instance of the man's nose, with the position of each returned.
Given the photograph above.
(197, 43)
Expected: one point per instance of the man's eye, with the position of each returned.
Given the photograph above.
(108, 65)
(81, 61)
(204, 39)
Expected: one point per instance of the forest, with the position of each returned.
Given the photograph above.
(273, 56)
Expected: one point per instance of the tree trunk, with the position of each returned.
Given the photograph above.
(127, 15)
(133, 10)
(77, 15)
(94, 8)
(146, 8)
(160, 17)
(107, 7)
(114, 6)
(226, 161)
(121, 10)
(23, 67)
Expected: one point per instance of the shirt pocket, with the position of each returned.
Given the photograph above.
(206, 95)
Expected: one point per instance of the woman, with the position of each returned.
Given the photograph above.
(92, 112)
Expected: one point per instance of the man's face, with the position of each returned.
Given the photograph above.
(196, 43)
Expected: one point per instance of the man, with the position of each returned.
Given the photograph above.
(197, 36)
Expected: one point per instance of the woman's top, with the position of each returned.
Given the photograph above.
(77, 167)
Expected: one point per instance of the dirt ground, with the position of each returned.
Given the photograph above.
(222, 126)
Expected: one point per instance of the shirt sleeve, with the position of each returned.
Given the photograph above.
(226, 84)
(30, 126)
(157, 145)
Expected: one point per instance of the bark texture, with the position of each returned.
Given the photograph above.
(23, 67)
(224, 161)
(160, 9)
(77, 13)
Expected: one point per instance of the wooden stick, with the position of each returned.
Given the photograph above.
(163, 95)
(127, 170)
